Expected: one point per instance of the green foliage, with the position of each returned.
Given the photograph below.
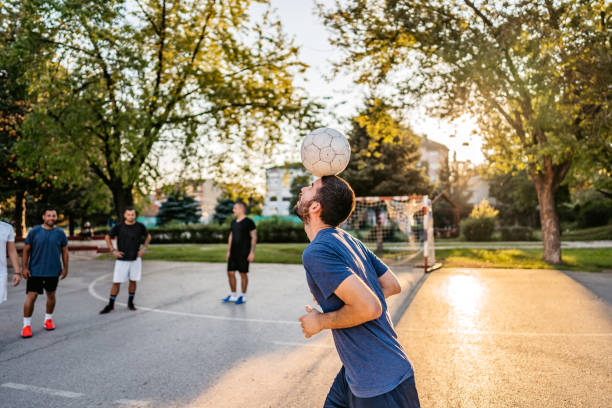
(244, 192)
(276, 229)
(297, 183)
(478, 229)
(535, 74)
(196, 233)
(595, 213)
(223, 210)
(484, 210)
(384, 155)
(115, 84)
(454, 178)
(179, 207)
(516, 233)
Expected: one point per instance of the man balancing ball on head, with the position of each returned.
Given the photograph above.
(350, 284)
(128, 266)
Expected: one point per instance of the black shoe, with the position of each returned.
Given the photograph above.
(131, 306)
(107, 309)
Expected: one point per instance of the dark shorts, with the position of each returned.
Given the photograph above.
(403, 396)
(38, 283)
(238, 263)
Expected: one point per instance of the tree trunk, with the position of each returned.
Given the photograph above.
(551, 232)
(123, 198)
(20, 214)
(71, 224)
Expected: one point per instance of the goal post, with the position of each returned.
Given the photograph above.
(398, 228)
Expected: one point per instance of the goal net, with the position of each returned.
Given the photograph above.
(399, 229)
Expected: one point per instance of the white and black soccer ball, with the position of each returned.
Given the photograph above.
(325, 152)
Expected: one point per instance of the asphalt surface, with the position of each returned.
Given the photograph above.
(477, 338)
(510, 338)
(182, 348)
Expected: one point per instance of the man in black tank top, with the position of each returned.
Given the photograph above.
(240, 252)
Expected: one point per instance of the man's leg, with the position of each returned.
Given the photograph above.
(337, 396)
(244, 282)
(131, 294)
(111, 301)
(28, 309)
(231, 277)
(50, 307)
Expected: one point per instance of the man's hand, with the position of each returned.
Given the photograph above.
(311, 324)
(141, 252)
(25, 272)
(117, 253)
(16, 279)
(251, 257)
(64, 273)
(227, 256)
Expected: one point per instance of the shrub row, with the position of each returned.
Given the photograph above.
(272, 230)
(478, 229)
(516, 233)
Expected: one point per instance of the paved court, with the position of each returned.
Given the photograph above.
(182, 348)
(510, 338)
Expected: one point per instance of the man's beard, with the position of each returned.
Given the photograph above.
(301, 210)
(50, 223)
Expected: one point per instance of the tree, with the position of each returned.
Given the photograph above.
(455, 178)
(535, 74)
(179, 207)
(384, 155)
(244, 192)
(515, 198)
(223, 210)
(123, 80)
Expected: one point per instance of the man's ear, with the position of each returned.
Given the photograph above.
(315, 207)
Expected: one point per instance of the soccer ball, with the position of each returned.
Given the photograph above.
(325, 152)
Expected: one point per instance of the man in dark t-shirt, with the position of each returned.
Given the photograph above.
(240, 251)
(130, 235)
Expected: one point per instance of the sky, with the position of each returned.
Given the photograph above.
(300, 22)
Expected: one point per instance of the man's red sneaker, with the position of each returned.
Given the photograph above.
(49, 324)
(26, 332)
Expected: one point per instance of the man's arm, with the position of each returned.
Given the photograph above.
(389, 283)
(251, 256)
(109, 245)
(25, 259)
(12, 252)
(229, 246)
(145, 245)
(360, 305)
(65, 261)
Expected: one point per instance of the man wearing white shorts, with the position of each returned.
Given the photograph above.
(7, 244)
(130, 235)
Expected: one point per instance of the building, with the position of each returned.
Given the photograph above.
(433, 154)
(278, 189)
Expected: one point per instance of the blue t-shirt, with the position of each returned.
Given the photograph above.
(46, 251)
(374, 361)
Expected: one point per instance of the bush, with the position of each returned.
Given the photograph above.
(516, 233)
(276, 229)
(595, 214)
(195, 234)
(478, 229)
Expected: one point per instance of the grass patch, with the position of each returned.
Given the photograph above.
(587, 234)
(264, 253)
(575, 259)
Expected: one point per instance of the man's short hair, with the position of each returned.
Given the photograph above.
(130, 208)
(49, 208)
(337, 200)
(242, 203)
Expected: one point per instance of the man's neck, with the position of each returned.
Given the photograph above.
(313, 228)
(45, 226)
(130, 223)
(240, 217)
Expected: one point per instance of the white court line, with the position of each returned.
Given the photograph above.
(133, 403)
(41, 390)
(93, 293)
(507, 333)
(296, 344)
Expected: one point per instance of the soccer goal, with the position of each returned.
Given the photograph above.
(400, 228)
